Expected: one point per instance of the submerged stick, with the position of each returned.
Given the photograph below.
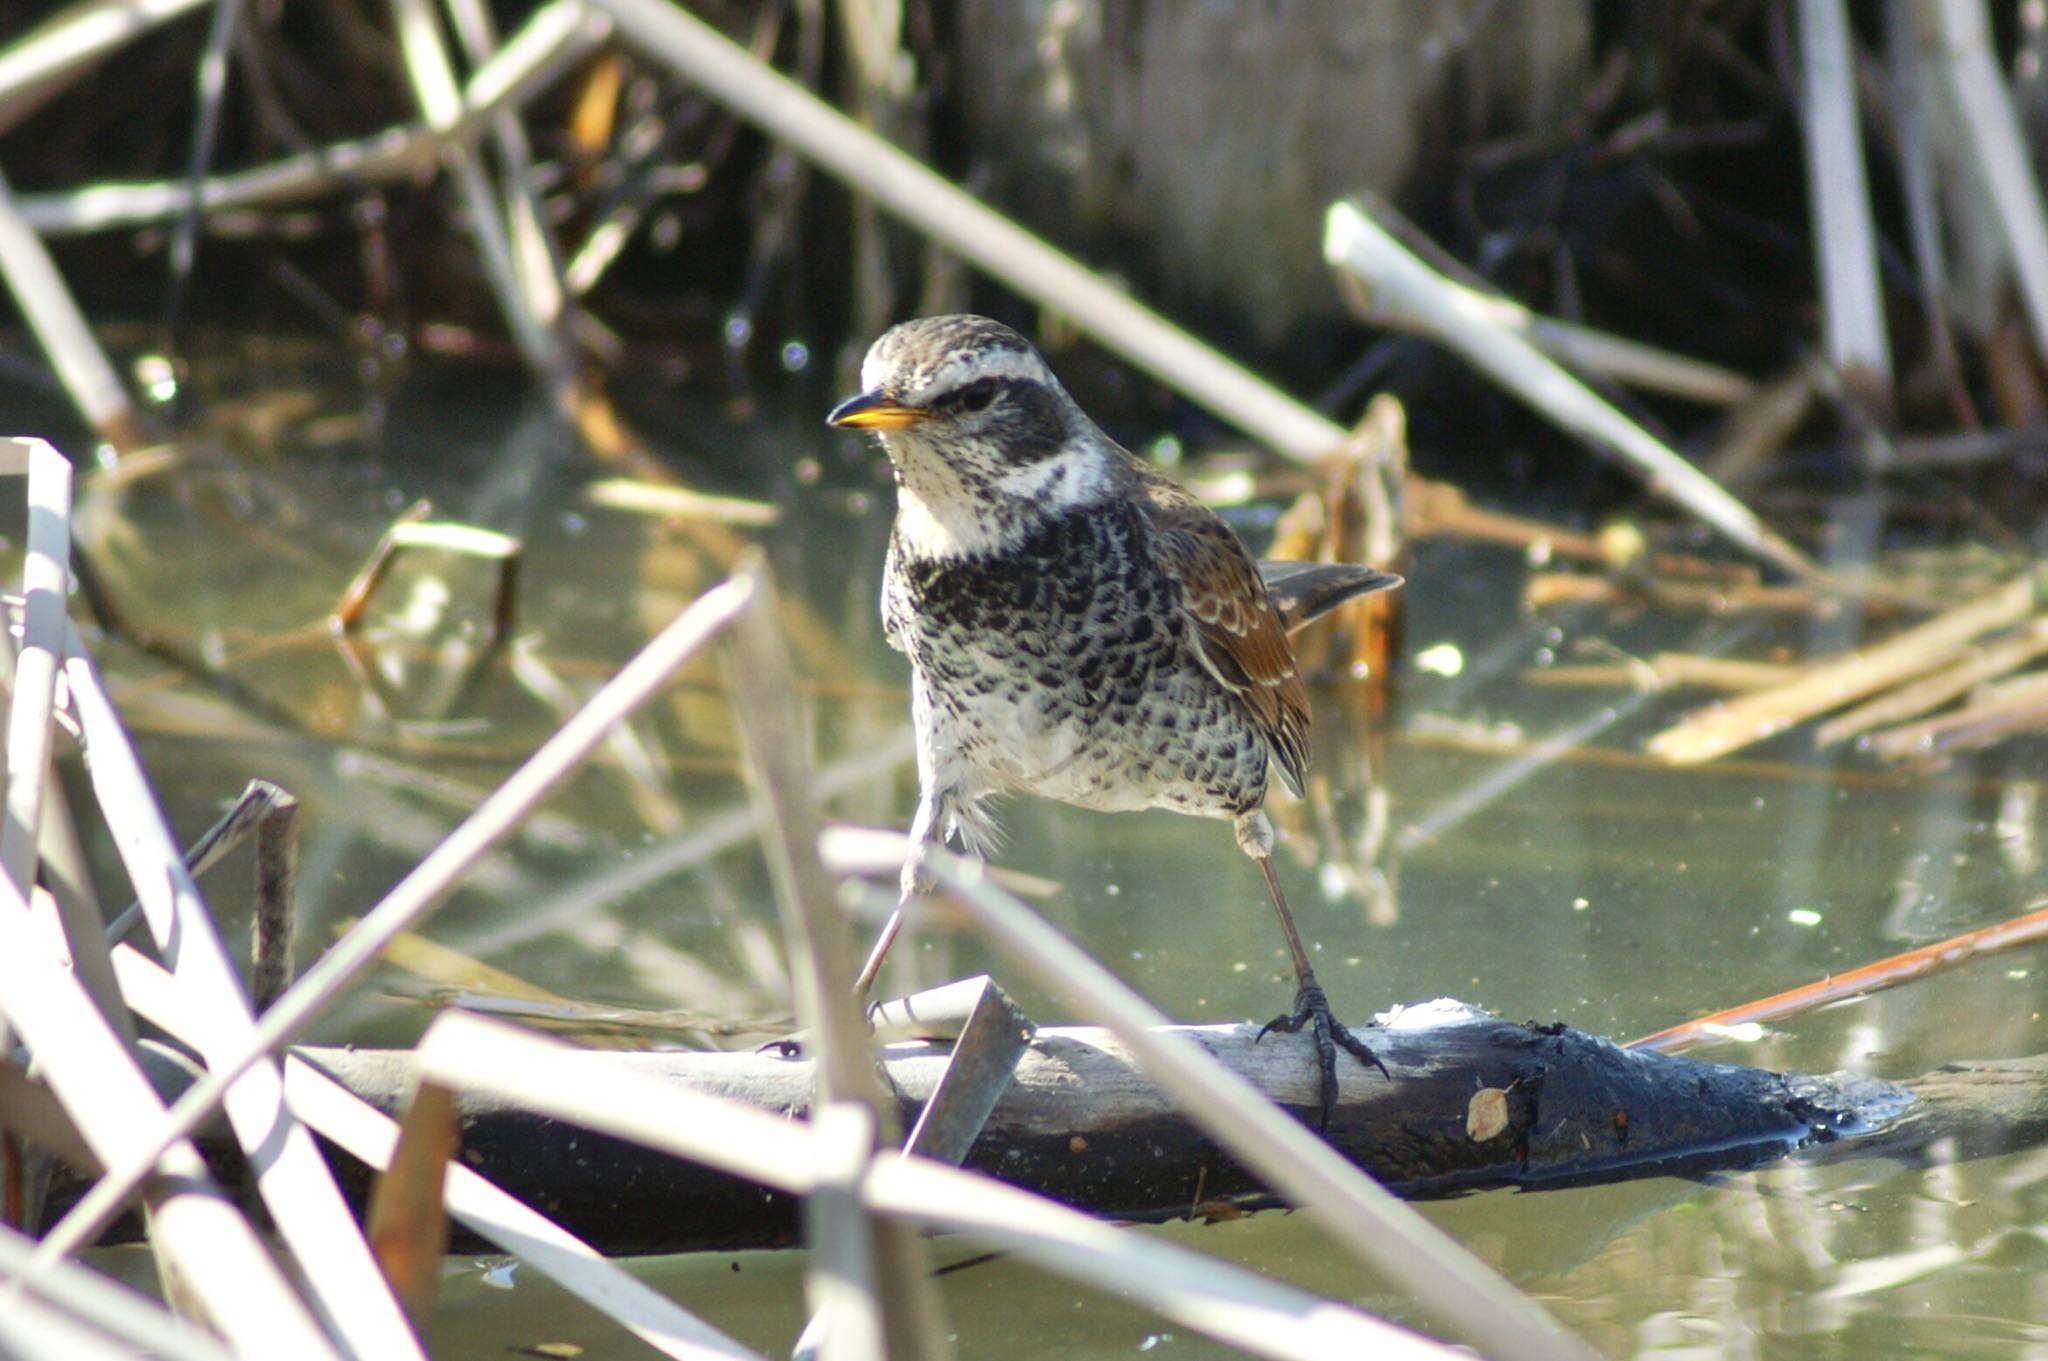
(671, 1118)
(1708, 733)
(1085, 1122)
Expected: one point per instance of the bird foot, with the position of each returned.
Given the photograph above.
(1312, 1010)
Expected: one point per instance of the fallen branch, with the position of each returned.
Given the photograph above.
(1475, 1101)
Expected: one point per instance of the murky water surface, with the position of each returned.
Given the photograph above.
(1493, 840)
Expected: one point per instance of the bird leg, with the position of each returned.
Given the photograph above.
(1311, 1007)
(917, 883)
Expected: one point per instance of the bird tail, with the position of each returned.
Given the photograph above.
(1304, 592)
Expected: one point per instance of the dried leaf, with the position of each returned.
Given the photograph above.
(408, 1227)
(1486, 1115)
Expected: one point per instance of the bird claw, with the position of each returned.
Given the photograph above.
(1312, 1009)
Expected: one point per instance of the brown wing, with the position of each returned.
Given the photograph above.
(1239, 633)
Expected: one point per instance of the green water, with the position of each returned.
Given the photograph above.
(1492, 841)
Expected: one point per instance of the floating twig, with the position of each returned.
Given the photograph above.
(1927, 960)
(2022, 708)
(1972, 668)
(1545, 590)
(653, 498)
(1439, 509)
(1708, 733)
(1669, 670)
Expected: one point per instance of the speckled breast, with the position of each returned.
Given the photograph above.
(1064, 667)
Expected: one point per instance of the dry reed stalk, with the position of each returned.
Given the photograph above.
(1395, 281)
(1958, 37)
(69, 44)
(440, 99)
(906, 187)
(107, 1314)
(552, 40)
(62, 330)
(418, 894)
(1844, 238)
(298, 1189)
(871, 1291)
(196, 1230)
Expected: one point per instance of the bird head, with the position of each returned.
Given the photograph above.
(983, 440)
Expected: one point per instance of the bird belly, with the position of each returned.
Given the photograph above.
(1064, 667)
(1161, 734)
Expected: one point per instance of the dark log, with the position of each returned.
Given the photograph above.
(1081, 1124)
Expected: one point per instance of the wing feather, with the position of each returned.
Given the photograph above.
(1238, 631)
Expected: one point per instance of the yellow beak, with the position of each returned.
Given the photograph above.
(876, 411)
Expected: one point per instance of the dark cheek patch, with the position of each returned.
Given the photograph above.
(1031, 427)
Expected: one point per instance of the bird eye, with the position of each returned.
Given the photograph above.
(976, 395)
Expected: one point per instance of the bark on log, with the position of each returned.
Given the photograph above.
(1080, 1123)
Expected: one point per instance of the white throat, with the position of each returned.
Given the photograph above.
(940, 514)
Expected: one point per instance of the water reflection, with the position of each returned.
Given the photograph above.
(1492, 841)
